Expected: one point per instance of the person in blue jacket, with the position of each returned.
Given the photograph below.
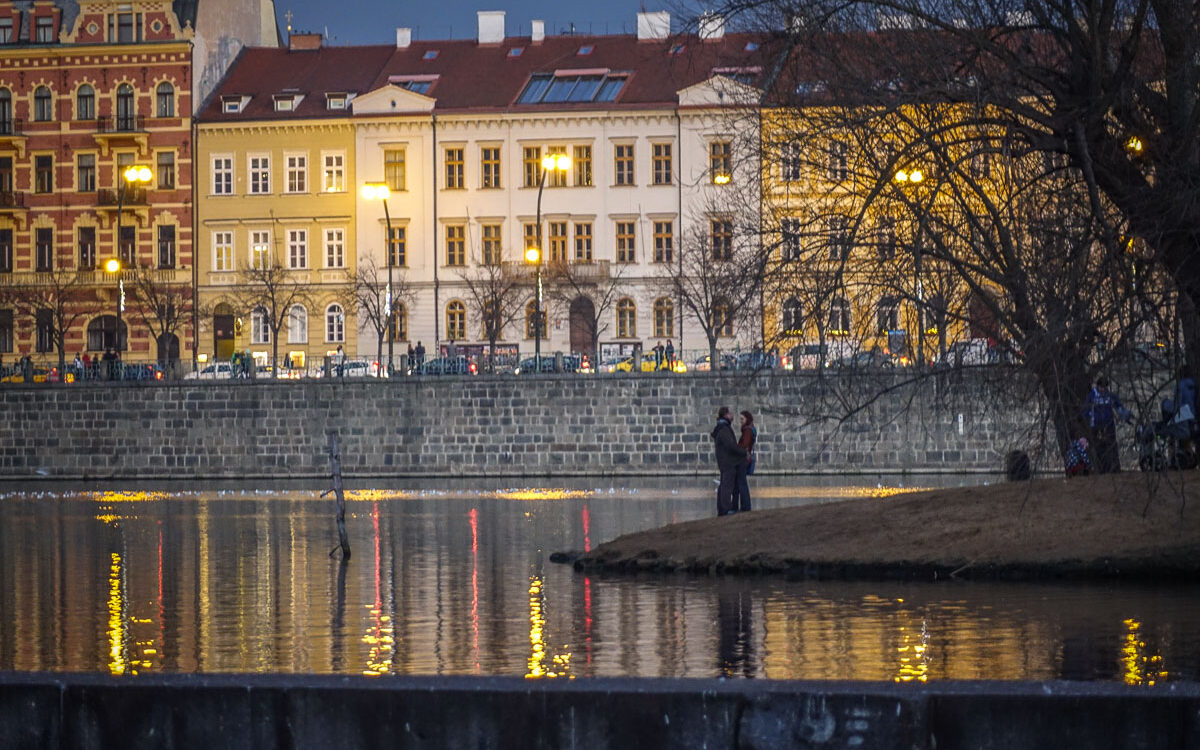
(1103, 407)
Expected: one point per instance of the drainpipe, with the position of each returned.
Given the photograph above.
(436, 292)
(679, 213)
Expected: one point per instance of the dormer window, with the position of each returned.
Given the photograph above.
(418, 84)
(336, 101)
(745, 76)
(121, 28)
(287, 102)
(6, 31)
(44, 29)
(430, 55)
(231, 105)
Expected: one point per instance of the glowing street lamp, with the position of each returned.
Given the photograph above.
(379, 191)
(134, 174)
(559, 163)
(906, 177)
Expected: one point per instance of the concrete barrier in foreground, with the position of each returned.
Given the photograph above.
(273, 712)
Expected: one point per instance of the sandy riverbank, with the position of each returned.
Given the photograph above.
(1129, 525)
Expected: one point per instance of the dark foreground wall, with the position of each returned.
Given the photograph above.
(495, 426)
(275, 713)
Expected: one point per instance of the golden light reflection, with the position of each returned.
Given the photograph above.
(544, 493)
(560, 664)
(1139, 669)
(380, 640)
(914, 655)
(374, 495)
(834, 493)
(116, 619)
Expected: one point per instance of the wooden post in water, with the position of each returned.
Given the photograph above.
(335, 461)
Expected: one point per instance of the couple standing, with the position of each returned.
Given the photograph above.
(735, 460)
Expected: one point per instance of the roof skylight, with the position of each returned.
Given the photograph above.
(430, 55)
(547, 88)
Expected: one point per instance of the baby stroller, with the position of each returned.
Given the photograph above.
(1170, 442)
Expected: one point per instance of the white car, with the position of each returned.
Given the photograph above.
(215, 371)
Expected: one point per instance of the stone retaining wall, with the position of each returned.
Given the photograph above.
(494, 426)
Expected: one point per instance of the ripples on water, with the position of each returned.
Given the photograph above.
(455, 579)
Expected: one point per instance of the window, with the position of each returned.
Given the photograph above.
(296, 167)
(260, 250)
(456, 320)
(85, 173)
(43, 104)
(837, 234)
(260, 174)
(166, 170)
(548, 88)
(489, 167)
(664, 241)
(44, 246)
(793, 317)
(45, 330)
(335, 248)
(222, 251)
(558, 242)
(582, 164)
(454, 169)
(335, 173)
(664, 318)
(120, 27)
(793, 161)
(6, 331)
(126, 108)
(6, 37)
(6, 112)
(393, 169)
(285, 103)
(623, 163)
(335, 324)
(166, 246)
(399, 322)
(335, 101)
(839, 316)
(625, 242)
(85, 103)
(44, 173)
(456, 252)
(6, 250)
(6, 174)
(888, 314)
(260, 326)
(722, 319)
(491, 244)
(87, 248)
(297, 248)
(720, 162)
(128, 245)
(886, 238)
(662, 163)
(399, 247)
(791, 239)
(722, 239)
(530, 234)
(222, 170)
(583, 242)
(297, 325)
(531, 316)
(838, 168)
(164, 96)
(626, 319)
(558, 178)
(532, 161)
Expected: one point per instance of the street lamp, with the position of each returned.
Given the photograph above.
(914, 177)
(379, 191)
(534, 255)
(134, 174)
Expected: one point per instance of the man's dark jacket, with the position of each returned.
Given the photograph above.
(729, 454)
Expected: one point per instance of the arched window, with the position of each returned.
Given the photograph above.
(664, 318)
(839, 317)
(101, 333)
(530, 313)
(165, 96)
(85, 103)
(126, 109)
(335, 324)
(43, 104)
(626, 319)
(456, 320)
(399, 322)
(260, 328)
(793, 317)
(297, 325)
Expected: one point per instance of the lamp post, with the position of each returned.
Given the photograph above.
(534, 255)
(133, 174)
(380, 191)
(905, 177)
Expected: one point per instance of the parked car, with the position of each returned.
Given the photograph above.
(570, 363)
(703, 364)
(354, 368)
(809, 356)
(869, 360)
(40, 375)
(755, 361)
(446, 366)
(968, 352)
(141, 371)
(215, 371)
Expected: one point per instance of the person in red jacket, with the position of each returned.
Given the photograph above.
(741, 485)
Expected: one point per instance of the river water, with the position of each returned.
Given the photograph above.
(453, 578)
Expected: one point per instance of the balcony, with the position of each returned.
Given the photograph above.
(122, 130)
(593, 272)
(12, 136)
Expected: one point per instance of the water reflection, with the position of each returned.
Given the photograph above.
(456, 581)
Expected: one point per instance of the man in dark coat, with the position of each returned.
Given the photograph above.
(730, 455)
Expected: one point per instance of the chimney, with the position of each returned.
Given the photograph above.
(655, 25)
(538, 34)
(403, 38)
(304, 41)
(491, 26)
(712, 26)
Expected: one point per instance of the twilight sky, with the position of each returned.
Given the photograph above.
(347, 22)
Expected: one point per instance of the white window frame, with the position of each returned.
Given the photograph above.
(335, 324)
(297, 324)
(333, 173)
(258, 166)
(296, 168)
(260, 259)
(297, 247)
(335, 248)
(222, 174)
(260, 329)
(222, 250)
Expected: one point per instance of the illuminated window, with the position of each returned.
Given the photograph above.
(720, 162)
(334, 173)
(260, 250)
(223, 251)
(399, 321)
(582, 164)
(557, 177)
(393, 169)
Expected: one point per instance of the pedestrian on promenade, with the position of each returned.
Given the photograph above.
(658, 356)
(729, 456)
(340, 358)
(419, 353)
(741, 487)
(1102, 409)
(670, 351)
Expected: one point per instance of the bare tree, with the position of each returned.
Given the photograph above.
(369, 300)
(600, 283)
(55, 302)
(163, 307)
(270, 291)
(497, 291)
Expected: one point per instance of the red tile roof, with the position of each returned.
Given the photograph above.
(474, 77)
